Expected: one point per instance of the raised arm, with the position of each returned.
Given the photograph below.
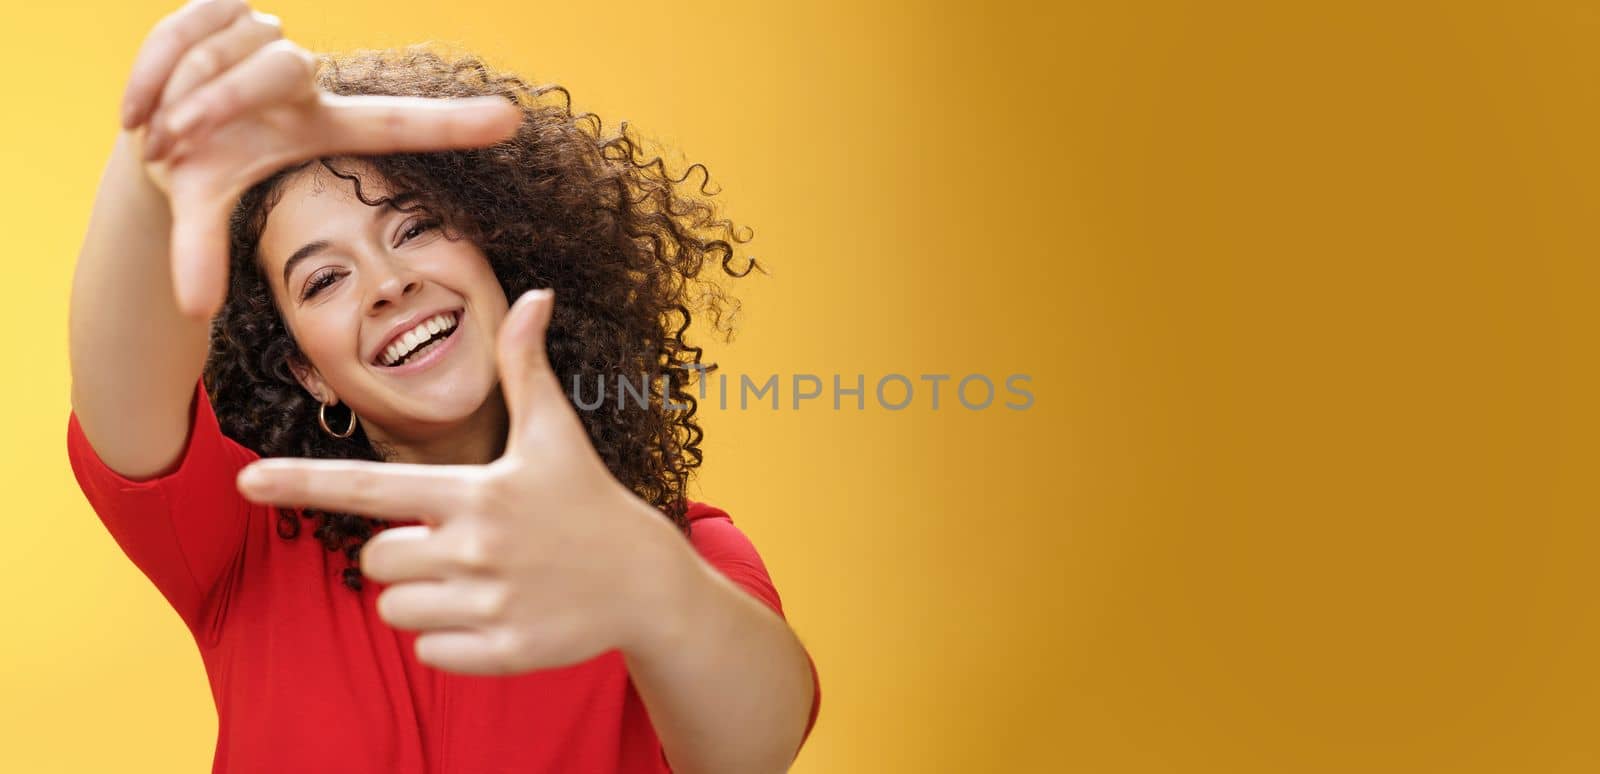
(217, 100)
(135, 358)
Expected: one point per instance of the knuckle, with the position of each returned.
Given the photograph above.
(203, 7)
(290, 55)
(232, 8)
(202, 62)
(220, 10)
(475, 552)
(504, 483)
(508, 647)
(392, 123)
(365, 489)
(484, 492)
(218, 103)
(494, 603)
(305, 62)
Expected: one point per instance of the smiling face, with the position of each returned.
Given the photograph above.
(395, 318)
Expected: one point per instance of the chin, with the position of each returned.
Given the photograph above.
(428, 408)
(450, 406)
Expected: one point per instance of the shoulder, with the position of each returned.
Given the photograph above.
(184, 527)
(726, 547)
(712, 527)
(698, 511)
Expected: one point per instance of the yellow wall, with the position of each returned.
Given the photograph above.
(1307, 292)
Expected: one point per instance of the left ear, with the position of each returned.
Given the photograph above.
(311, 379)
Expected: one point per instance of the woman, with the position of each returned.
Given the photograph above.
(478, 576)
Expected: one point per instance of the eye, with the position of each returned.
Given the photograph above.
(418, 229)
(318, 282)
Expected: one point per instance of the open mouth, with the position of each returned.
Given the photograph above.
(427, 336)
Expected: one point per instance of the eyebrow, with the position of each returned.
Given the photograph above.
(310, 249)
(306, 251)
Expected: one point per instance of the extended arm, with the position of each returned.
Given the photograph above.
(498, 587)
(135, 358)
(727, 684)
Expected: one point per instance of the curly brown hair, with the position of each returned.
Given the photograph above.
(563, 205)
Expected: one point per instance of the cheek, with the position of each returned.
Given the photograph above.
(483, 284)
(326, 339)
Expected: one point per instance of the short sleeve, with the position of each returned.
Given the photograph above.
(725, 547)
(184, 528)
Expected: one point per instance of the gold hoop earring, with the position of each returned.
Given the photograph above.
(322, 419)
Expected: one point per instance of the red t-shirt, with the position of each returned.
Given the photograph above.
(306, 676)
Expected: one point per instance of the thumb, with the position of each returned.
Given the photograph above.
(199, 255)
(531, 387)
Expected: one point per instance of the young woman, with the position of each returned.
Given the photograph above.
(398, 262)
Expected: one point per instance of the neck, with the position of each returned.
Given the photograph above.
(477, 440)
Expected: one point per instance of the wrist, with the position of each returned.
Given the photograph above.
(136, 182)
(673, 595)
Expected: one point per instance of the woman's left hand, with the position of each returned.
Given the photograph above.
(539, 559)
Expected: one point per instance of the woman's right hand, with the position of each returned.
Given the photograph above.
(222, 101)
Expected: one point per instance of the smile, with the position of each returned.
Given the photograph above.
(413, 349)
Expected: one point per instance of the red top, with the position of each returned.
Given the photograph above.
(307, 677)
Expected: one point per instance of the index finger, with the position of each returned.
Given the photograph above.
(380, 490)
(166, 44)
(371, 124)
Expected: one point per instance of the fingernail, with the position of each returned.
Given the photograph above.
(127, 115)
(531, 296)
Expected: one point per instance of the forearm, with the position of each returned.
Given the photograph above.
(726, 682)
(134, 357)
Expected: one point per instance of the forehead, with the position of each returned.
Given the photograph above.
(313, 203)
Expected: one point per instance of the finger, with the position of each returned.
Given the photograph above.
(167, 42)
(397, 553)
(471, 651)
(441, 604)
(277, 72)
(387, 124)
(210, 58)
(381, 490)
(529, 384)
(421, 553)
(199, 252)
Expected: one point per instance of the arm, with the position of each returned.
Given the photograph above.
(727, 684)
(135, 358)
(252, 107)
(498, 587)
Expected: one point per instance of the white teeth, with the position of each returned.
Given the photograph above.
(414, 337)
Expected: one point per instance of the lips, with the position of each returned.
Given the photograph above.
(413, 333)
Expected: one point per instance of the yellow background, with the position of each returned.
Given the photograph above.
(1307, 293)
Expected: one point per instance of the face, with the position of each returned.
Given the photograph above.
(397, 320)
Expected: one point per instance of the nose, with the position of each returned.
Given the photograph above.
(391, 281)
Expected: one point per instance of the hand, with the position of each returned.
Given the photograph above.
(225, 101)
(539, 559)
